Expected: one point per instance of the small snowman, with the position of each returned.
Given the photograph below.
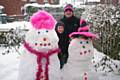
(39, 60)
(79, 65)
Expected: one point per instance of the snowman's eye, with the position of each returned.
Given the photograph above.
(39, 32)
(47, 31)
(87, 42)
(81, 42)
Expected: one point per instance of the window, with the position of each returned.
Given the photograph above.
(33, 0)
(56, 1)
(45, 1)
(24, 0)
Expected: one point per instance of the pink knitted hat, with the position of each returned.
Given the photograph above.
(83, 29)
(68, 7)
(42, 19)
(84, 32)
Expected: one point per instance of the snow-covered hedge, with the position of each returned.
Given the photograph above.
(55, 10)
(12, 35)
(105, 20)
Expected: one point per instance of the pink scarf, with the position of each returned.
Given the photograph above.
(40, 56)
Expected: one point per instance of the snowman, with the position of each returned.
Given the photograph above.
(39, 60)
(79, 65)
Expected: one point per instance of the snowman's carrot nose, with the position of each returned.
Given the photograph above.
(44, 39)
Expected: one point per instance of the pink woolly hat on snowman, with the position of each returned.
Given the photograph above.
(84, 31)
(42, 20)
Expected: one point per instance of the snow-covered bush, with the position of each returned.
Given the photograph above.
(105, 20)
(104, 64)
(56, 11)
(12, 39)
(107, 65)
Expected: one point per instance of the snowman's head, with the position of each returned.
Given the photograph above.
(81, 49)
(81, 44)
(42, 36)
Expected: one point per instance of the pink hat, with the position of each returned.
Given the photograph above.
(42, 19)
(68, 7)
(83, 31)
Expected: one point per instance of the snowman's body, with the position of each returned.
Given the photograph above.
(41, 40)
(79, 65)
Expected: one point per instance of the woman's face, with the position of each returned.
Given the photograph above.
(68, 13)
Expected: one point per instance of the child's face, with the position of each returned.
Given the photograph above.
(60, 29)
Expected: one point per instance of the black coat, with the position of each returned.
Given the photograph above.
(70, 25)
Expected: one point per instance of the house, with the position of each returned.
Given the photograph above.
(13, 7)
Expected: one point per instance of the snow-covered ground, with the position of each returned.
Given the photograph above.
(104, 75)
(9, 62)
(9, 66)
(14, 25)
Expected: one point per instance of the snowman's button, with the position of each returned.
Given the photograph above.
(85, 78)
(44, 39)
(49, 44)
(81, 53)
(85, 52)
(93, 61)
(89, 51)
(85, 73)
(45, 44)
(40, 44)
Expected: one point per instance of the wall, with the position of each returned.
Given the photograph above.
(12, 7)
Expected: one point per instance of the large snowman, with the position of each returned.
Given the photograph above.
(79, 65)
(39, 60)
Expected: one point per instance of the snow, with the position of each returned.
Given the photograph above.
(104, 75)
(37, 46)
(79, 62)
(93, 0)
(41, 6)
(14, 25)
(9, 62)
(9, 66)
(1, 7)
(76, 3)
